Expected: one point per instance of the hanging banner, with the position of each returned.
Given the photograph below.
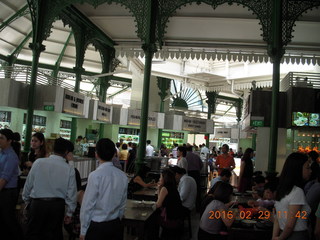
(222, 133)
(100, 111)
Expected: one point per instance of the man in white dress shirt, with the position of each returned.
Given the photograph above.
(50, 185)
(187, 188)
(105, 197)
(149, 149)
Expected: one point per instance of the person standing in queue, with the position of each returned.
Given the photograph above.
(194, 167)
(50, 185)
(225, 160)
(9, 164)
(105, 197)
(38, 149)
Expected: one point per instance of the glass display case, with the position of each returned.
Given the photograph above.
(65, 129)
(5, 119)
(303, 140)
(169, 138)
(129, 135)
(38, 125)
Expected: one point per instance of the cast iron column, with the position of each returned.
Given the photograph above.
(149, 49)
(212, 98)
(36, 48)
(276, 52)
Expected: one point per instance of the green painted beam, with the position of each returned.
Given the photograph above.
(84, 20)
(4, 58)
(121, 79)
(21, 12)
(120, 91)
(58, 62)
(16, 52)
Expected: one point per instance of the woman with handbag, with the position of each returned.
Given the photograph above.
(169, 203)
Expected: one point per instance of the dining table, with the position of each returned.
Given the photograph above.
(136, 215)
(147, 194)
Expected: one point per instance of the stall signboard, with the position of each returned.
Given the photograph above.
(134, 117)
(194, 124)
(101, 111)
(73, 103)
(5, 119)
(222, 133)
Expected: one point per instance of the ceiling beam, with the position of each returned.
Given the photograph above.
(21, 12)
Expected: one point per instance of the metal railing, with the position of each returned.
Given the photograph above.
(23, 74)
(300, 79)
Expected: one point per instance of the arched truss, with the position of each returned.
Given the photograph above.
(184, 97)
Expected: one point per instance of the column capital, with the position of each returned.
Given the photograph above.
(78, 70)
(38, 47)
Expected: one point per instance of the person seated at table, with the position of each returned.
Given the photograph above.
(291, 207)
(187, 189)
(170, 205)
(214, 220)
(268, 200)
(224, 177)
(258, 187)
(138, 181)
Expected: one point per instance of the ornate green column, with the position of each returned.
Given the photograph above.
(149, 49)
(211, 101)
(107, 55)
(275, 51)
(164, 86)
(36, 48)
(238, 105)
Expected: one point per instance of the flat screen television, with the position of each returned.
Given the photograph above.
(314, 120)
(300, 119)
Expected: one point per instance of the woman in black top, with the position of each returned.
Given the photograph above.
(170, 205)
(38, 149)
(246, 171)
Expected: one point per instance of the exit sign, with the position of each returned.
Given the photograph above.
(48, 107)
(257, 123)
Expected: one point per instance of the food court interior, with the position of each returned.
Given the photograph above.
(199, 72)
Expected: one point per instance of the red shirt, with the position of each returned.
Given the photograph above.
(224, 161)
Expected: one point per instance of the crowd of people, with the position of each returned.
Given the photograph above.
(54, 195)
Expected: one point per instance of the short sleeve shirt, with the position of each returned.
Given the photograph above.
(224, 162)
(295, 197)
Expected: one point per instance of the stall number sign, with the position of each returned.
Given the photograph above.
(104, 113)
(194, 124)
(73, 103)
(135, 116)
(257, 123)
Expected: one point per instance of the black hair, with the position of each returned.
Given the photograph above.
(259, 179)
(189, 148)
(60, 146)
(124, 146)
(226, 146)
(168, 178)
(148, 141)
(16, 137)
(70, 146)
(79, 137)
(105, 149)
(118, 144)
(7, 133)
(291, 174)
(225, 172)
(178, 170)
(313, 155)
(223, 192)
(183, 150)
(43, 148)
(271, 186)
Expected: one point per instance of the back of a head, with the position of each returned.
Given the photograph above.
(148, 142)
(259, 179)
(16, 137)
(189, 148)
(183, 150)
(178, 170)
(313, 155)
(124, 146)
(60, 146)
(168, 178)
(223, 192)
(247, 153)
(105, 149)
(70, 146)
(225, 172)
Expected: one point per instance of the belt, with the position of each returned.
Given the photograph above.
(48, 199)
(8, 189)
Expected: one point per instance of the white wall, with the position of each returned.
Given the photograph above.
(262, 150)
